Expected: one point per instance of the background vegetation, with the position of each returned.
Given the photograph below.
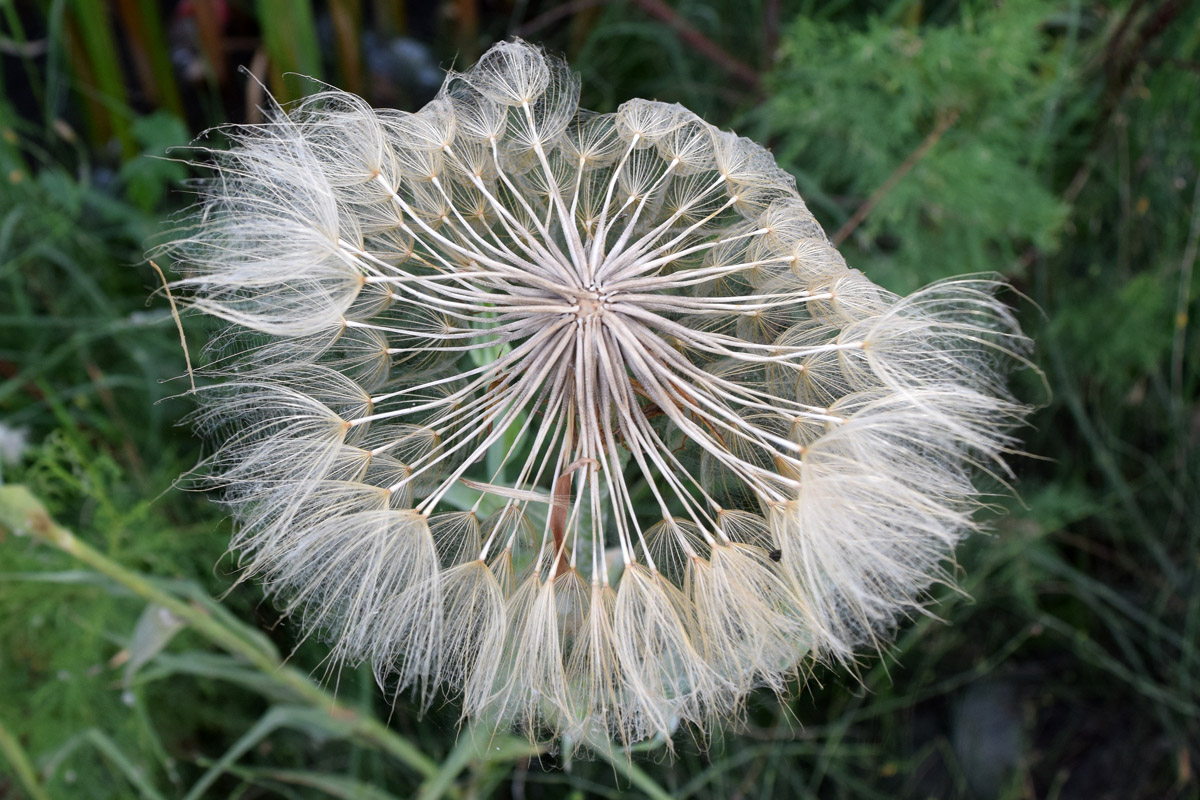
(1055, 142)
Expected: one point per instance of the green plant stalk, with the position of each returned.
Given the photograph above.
(96, 31)
(16, 31)
(346, 16)
(289, 32)
(23, 514)
(19, 762)
(478, 745)
(623, 763)
(141, 21)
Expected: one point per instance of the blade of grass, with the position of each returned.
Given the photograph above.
(1105, 460)
(20, 765)
(212, 39)
(109, 749)
(55, 57)
(623, 764)
(1184, 299)
(214, 666)
(1092, 652)
(142, 23)
(290, 36)
(479, 745)
(160, 56)
(338, 786)
(277, 717)
(96, 32)
(742, 757)
(346, 16)
(16, 31)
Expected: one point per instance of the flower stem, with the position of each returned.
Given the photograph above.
(22, 514)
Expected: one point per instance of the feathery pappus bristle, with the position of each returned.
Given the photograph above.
(579, 415)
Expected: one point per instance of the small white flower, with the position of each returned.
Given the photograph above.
(622, 333)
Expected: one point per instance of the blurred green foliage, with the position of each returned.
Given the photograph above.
(1055, 143)
(851, 106)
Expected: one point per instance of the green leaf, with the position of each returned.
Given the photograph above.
(155, 629)
(148, 176)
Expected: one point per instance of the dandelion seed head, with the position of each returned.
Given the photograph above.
(580, 415)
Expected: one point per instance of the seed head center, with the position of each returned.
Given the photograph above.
(592, 303)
